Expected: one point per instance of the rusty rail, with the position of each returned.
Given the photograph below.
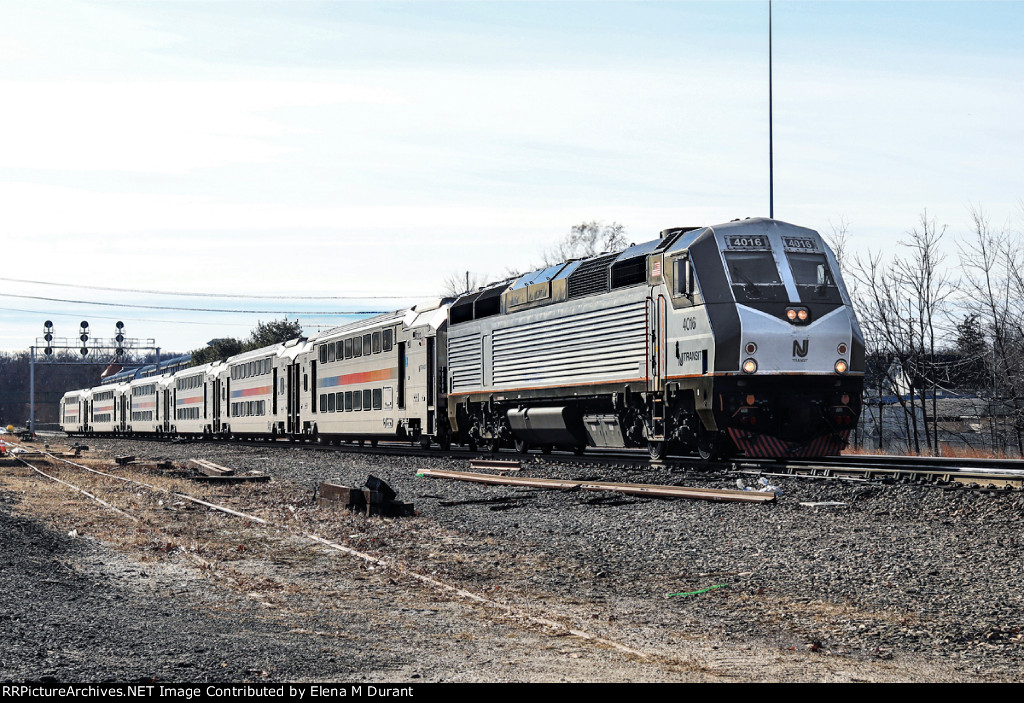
(642, 489)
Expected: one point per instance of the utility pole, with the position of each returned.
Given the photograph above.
(771, 133)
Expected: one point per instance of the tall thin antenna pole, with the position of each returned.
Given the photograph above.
(771, 145)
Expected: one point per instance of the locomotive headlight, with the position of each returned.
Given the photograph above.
(749, 366)
(841, 366)
(841, 349)
(798, 315)
(750, 348)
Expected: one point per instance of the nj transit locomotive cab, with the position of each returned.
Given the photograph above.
(788, 356)
(710, 340)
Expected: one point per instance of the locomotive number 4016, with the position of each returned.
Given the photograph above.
(799, 243)
(746, 242)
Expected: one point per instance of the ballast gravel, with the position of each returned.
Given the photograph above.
(877, 582)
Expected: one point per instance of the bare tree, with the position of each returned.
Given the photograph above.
(456, 284)
(992, 262)
(839, 240)
(929, 286)
(902, 304)
(587, 239)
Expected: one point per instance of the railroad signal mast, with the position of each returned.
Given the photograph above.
(92, 350)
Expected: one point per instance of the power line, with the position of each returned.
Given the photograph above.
(216, 295)
(56, 315)
(182, 309)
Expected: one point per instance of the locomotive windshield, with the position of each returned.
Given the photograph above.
(813, 277)
(754, 275)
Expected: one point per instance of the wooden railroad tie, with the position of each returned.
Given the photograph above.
(215, 473)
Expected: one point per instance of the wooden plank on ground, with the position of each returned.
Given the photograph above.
(211, 469)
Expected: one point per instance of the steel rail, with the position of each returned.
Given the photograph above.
(641, 489)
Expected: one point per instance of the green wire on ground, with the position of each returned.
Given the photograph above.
(697, 593)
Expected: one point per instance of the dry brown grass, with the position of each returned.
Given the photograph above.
(945, 450)
(269, 563)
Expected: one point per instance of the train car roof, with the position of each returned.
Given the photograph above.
(280, 349)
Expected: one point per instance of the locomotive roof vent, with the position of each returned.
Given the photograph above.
(590, 276)
(670, 236)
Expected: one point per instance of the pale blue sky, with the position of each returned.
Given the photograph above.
(371, 148)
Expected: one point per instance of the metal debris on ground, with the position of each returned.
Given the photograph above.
(376, 498)
(824, 504)
(124, 460)
(765, 487)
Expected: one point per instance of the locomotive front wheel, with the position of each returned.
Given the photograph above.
(709, 447)
(522, 447)
(494, 445)
(425, 441)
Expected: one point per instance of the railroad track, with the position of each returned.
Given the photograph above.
(942, 471)
(987, 474)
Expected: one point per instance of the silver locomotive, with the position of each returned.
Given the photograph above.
(712, 340)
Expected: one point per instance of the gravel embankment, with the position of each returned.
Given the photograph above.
(921, 577)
